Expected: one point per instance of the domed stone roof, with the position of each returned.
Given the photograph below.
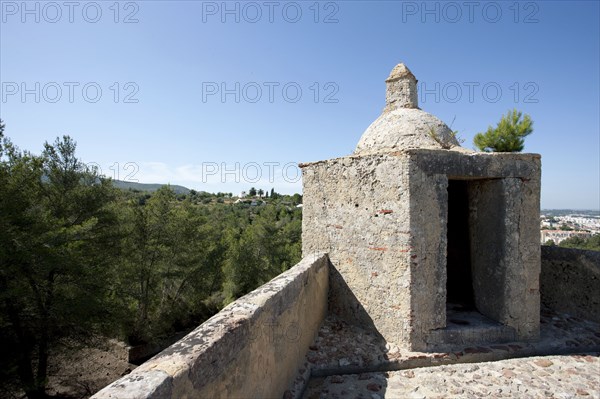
(402, 125)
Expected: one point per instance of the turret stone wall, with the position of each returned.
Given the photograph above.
(383, 220)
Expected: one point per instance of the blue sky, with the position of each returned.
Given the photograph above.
(222, 96)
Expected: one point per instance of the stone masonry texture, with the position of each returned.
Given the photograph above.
(570, 281)
(382, 219)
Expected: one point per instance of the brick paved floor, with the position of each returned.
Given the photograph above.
(566, 376)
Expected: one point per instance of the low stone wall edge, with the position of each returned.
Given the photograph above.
(221, 355)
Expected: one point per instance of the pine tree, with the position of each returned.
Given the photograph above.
(59, 237)
(508, 136)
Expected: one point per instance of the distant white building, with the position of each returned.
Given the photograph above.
(560, 235)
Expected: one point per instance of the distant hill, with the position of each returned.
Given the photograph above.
(565, 212)
(126, 185)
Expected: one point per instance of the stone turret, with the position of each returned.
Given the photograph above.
(421, 232)
(402, 125)
(401, 91)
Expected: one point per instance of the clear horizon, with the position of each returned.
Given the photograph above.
(223, 96)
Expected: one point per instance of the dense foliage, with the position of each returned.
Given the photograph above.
(507, 136)
(592, 243)
(183, 258)
(80, 257)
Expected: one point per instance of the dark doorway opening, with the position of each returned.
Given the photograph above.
(459, 283)
(472, 260)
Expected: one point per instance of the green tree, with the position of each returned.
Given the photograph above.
(573, 242)
(171, 265)
(592, 243)
(507, 136)
(149, 237)
(252, 192)
(57, 250)
(267, 246)
(80, 257)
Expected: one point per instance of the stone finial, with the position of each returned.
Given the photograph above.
(401, 91)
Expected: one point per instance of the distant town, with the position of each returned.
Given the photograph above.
(557, 225)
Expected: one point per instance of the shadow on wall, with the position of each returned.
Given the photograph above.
(344, 304)
(348, 348)
(570, 281)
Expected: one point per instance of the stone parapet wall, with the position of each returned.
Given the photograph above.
(570, 281)
(252, 348)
